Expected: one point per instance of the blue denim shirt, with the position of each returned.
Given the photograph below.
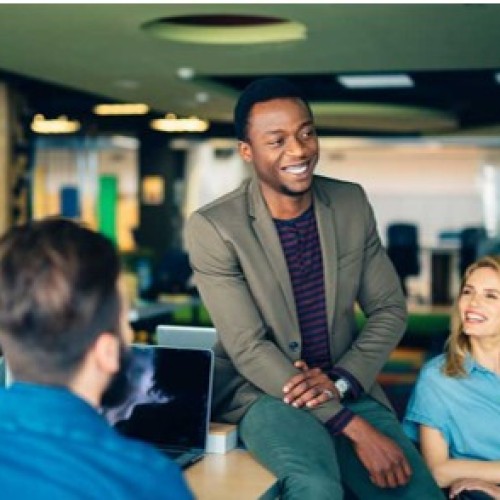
(466, 410)
(54, 445)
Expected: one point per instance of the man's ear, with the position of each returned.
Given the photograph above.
(107, 353)
(245, 151)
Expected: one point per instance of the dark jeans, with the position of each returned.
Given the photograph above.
(311, 465)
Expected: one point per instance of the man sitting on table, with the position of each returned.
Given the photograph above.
(64, 334)
(280, 263)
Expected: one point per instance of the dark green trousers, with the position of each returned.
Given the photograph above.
(311, 465)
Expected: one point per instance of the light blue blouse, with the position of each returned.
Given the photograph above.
(466, 410)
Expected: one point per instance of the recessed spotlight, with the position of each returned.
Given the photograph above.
(185, 73)
(202, 97)
(225, 29)
(375, 81)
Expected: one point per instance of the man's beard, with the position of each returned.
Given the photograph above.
(119, 385)
(293, 194)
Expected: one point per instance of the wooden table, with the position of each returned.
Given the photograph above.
(232, 475)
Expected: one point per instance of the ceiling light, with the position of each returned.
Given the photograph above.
(173, 124)
(375, 81)
(121, 109)
(226, 29)
(185, 73)
(202, 97)
(60, 125)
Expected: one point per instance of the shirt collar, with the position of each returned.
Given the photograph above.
(50, 395)
(470, 365)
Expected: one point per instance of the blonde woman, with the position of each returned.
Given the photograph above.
(454, 411)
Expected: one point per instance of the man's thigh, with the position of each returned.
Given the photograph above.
(295, 446)
(354, 474)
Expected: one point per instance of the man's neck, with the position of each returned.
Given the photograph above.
(88, 386)
(286, 207)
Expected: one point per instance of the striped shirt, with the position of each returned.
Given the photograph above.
(300, 242)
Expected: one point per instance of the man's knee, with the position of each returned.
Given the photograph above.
(311, 485)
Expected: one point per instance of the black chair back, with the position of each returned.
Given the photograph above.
(403, 249)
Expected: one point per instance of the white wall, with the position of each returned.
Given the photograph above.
(437, 188)
(209, 176)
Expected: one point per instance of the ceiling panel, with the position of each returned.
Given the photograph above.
(450, 50)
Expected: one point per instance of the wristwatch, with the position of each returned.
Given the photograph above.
(343, 386)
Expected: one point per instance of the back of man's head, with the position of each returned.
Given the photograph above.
(262, 90)
(58, 293)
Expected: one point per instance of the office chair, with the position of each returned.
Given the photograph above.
(403, 250)
(174, 272)
(470, 241)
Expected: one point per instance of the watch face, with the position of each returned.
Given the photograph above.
(342, 386)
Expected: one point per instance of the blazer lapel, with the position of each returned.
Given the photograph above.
(271, 245)
(325, 219)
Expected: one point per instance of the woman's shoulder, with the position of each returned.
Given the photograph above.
(433, 368)
(435, 363)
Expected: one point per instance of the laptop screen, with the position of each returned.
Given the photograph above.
(168, 403)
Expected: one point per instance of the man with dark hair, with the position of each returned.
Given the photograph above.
(64, 335)
(280, 264)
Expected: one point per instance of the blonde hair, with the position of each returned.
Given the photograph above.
(458, 344)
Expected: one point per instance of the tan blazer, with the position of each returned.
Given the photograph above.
(242, 276)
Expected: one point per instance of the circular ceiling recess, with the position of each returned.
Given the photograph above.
(225, 29)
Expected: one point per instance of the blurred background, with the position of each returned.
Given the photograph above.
(121, 115)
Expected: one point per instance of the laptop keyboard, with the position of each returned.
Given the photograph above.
(183, 458)
(174, 453)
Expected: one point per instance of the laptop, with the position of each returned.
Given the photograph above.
(192, 337)
(168, 403)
